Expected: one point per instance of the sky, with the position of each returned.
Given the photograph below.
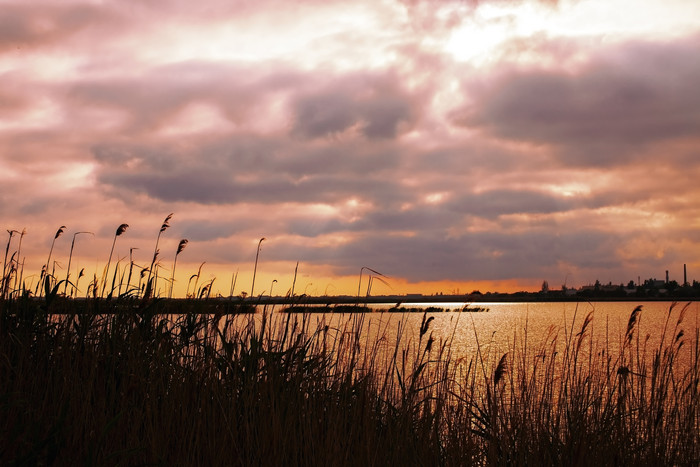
(449, 145)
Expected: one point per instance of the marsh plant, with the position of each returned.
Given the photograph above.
(120, 230)
(120, 282)
(139, 380)
(194, 382)
(180, 247)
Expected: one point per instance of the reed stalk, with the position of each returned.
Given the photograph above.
(149, 285)
(180, 382)
(45, 269)
(70, 258)
(4, 286)
(18, 276)
(181, 246)
(255, 268)
(120, 230)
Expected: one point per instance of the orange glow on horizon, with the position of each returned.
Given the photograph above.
(313, 281)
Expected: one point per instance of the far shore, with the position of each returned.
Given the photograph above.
(524, 297)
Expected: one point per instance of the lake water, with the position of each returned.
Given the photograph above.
(508, 326)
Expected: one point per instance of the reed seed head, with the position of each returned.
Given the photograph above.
(501, 369)
(181, 246)
(165, 222)
(632, 321)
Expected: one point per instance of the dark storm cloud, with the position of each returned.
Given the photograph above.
(345, 157)
(495, 203)
(489, 255)
(247, 170)
(379, 219)
(470, 157)
(237, 90)
(625, 100)
(323, 115)
(376, 103)
(423, 218)
(26, 26)
(210, 187)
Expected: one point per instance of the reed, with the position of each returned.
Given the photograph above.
(139, 380)
(194, 382)
(181, 246)
(120, 230)
(20, 269)
(151, 282)
(70, 258)
(7, 274)
(255, 268)
(45, 269)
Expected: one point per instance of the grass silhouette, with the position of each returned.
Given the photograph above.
(139, 380)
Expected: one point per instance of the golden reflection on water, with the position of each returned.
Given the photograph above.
(508, 327)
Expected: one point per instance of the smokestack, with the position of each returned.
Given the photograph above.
(685, 275)
(667, 276)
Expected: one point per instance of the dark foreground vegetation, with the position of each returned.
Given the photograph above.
(153, 382)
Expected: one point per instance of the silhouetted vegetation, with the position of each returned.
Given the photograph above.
(190, 382)
(132, 379)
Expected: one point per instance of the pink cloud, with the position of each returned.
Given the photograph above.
(347, 145)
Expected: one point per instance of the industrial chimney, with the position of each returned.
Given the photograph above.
(685, 275)
(667, 276)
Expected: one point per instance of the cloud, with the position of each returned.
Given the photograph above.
(375, 103)
(618, 108)
(479, 256)
(24, 25)
(150, 101)
(353, 137)
(495, 203)
(254, 169)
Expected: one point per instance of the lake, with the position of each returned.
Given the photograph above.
(508, 326)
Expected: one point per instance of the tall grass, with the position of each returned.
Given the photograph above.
(180, 247)
(120, 230)
(139, 380)
(152, 280)
(70, 259)
(45, 269)
(191, 382)
(255, 268)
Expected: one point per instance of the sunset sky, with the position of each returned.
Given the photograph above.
(449, 145)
